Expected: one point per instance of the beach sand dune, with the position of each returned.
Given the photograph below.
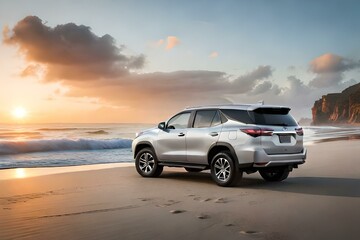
(320, 200)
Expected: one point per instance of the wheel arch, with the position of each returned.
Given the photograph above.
(219, 147)
(141, 145)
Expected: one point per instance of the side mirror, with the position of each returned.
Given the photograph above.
(161, 125)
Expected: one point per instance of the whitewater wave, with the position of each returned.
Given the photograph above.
(98, 132)
(15, 147)
(67, 129)
(57, 129)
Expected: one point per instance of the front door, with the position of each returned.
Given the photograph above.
(171, 144)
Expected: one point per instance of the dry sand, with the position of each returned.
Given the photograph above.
(320, 200)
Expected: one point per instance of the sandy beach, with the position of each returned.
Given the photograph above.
(320, 200)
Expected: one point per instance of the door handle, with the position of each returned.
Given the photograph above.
(181, 134)
(214, 134)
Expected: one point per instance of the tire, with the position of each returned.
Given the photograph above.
(274, 174)
(193, 170)
(224, 172)
(147, 164)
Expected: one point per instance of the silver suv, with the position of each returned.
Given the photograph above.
(227, 139)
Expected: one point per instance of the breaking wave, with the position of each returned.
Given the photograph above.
(15, 147)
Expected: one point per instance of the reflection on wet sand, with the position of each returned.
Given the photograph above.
(329, 134)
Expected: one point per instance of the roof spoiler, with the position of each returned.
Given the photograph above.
(271, 109)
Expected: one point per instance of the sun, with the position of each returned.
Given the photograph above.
(19, 112)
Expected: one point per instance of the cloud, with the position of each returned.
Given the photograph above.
(326, 80)
(158, 95)
(80, 58)
(297, 87)
(331, 63)
(247, 82)
(71, 51)
(172, 41)
(160, 42)
(91, 66)
(167, 44)
(31, 70)
(262, 88)
(329, 69)
(214, 54)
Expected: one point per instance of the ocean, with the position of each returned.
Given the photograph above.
(52, 145)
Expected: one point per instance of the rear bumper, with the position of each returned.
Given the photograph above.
(261, 159)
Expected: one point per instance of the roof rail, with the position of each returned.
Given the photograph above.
(216, 105)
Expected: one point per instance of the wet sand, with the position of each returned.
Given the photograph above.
(320, 200)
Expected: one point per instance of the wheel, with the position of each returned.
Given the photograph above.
(223, 170)
(193, 169)
(147, 164)
(274, 174)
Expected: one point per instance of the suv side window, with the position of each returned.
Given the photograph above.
(206, 118)
(179, 121)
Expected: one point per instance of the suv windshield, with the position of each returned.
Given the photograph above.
(262, 116)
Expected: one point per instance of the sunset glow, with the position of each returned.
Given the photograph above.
(19, 113)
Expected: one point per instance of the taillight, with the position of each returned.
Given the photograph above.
(256, 132)
(299, 131)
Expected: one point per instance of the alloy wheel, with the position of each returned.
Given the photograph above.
(146, 162)
(222, 169)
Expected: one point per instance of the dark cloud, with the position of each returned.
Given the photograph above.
(199, 81)
(248, 81)
(326, 80)
(173, 89)
(70, 51)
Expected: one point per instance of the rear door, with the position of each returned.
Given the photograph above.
(171, 144)
(204, 133)
(286, 137)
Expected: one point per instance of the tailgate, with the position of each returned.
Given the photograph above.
(284, 140)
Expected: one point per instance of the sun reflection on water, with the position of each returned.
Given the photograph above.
(20, 173)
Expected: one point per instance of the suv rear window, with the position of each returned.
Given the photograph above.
(238, 115)
(262, 116)
(206, 118)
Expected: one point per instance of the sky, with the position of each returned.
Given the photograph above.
(142, 61)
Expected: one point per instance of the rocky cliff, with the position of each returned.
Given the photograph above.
(338, 108)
